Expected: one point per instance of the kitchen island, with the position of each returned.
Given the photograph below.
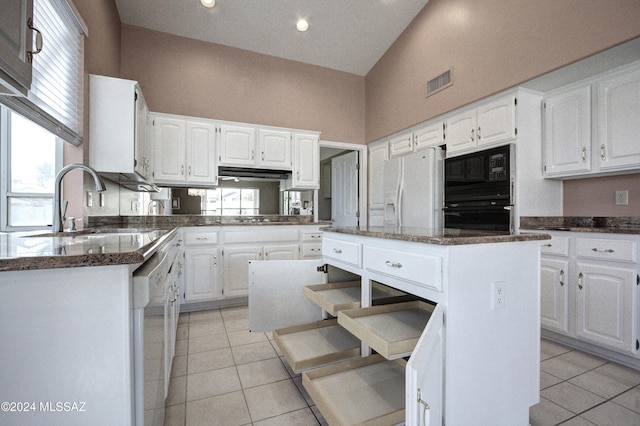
(477, 360)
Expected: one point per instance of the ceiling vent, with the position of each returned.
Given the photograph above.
(441, 82)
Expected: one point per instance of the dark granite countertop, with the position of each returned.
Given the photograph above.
(439, 236)
(604, 224)
(94, 247)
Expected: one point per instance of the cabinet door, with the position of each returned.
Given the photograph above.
(275, 149)
(604, 306)
(461, 132)
(424, 385)
(619, 121)
(236, 269)
(378, 154)
(237, 145)
(168, 141)
(201, 161)
(400, 145)
(496, 121)
(142, 155)
(567, 132)
(306, 161)
(202, 281)
(281, 252)
(554, 295)
(15, 42)
(431, 135)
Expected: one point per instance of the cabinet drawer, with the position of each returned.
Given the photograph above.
(200, 238)
(366, 391)
(319, 343)
(262, 234)
(310, 237)
(391, 330)
(311, 250)
(605, 249)
(558, 246)
(335, 297)
(343, 251)
(421, 269)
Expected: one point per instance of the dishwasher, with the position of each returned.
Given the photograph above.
(154, 322)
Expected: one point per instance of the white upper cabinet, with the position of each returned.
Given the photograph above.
(618, 121)
(400, 145)
(237, 146)
(275, 149)
(305, 173)
(567, 132)
(378, 154)
(15, 45)
(430, 135)
(185, 151)
(610, 105)
(118, 130)
(487, 125)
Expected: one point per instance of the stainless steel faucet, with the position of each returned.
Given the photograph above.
(58, 212)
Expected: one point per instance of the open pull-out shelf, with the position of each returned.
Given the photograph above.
(335, 297)
(391, 330)
(367, 391)
(320, 343)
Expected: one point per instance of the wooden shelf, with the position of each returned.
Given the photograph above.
(320, 343)
(366, 391)
(335, 297)
(391, 330)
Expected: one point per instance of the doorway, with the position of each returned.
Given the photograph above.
(342, 197)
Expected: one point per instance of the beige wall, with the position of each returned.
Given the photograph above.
(189, 77)
(492, 45)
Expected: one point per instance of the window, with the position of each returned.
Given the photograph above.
(230, 201)
(30, 157)
(55, 100)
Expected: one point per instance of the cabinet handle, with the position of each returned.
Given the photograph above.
(603, 251)
(202, 238)
(478, 133)
(262, 155)
(252, 155)
(603, 152)
(189, 170)
(337, 251)
(38, 40)
(393, 264)
(580, 279)
(561, 277)
(182, 170)
(316, 236)
(584, 153)
(547, 245)
(472, 137)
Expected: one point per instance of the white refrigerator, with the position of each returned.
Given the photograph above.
(414, 189)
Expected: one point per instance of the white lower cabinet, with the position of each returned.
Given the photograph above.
(328, 318)
(589, 291)
(202, 257)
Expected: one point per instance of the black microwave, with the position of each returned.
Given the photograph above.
(480, 176)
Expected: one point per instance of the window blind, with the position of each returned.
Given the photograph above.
(55, 100)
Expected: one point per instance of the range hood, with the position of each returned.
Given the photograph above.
(131, 181)
(245, 172)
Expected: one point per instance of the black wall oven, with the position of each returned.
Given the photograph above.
(478, 192)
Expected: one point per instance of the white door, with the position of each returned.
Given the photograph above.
(276, 293)
(554, 288)
(424, 375)
(345, 190)
(619, 121)
(461, 132)
(496, 121)
(604, 305)
(202, 165)
(168, 138)
(567, 132)
(236, 266)
(275, 149)
(237, 145)
(202, 274)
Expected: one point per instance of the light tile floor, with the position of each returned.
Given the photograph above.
(224, 375)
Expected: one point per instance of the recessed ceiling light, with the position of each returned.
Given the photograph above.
(302, 25)
(208, 3)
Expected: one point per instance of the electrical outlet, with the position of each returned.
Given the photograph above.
(89, 199)
(622, 198)
(497, 295)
